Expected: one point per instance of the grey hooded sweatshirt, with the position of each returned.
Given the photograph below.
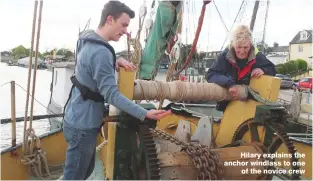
(95, 70)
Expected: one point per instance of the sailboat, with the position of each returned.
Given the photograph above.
(188, 144)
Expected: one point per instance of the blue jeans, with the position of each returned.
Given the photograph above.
(81, 152)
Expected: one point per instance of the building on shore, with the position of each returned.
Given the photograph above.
(24, 62)
(300, 47)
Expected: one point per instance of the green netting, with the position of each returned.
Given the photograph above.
(156, 43)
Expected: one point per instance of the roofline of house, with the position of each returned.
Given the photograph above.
(299, 43)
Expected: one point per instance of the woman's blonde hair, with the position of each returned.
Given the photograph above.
(241, 34)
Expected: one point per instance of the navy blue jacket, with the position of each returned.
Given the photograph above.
(226, 72)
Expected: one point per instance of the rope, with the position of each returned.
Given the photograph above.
(33, 155)
(191, 91)
(29, 95)
(29, 73)
(38, 117)
(242, 3)
(35, 99)
(30, 130)
(5, 84)
(262, 100)
(136, 56)
(35, 160)
(101, 145)
(128, 45)
(221, 17)
(36, 156)
(195, 41)
(172, 53)
(35, 67)
(180, 89)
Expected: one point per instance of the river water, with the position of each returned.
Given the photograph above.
(42, 95)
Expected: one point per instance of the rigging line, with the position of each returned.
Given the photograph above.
(193, 9)
(36, 61)
(34, 98)
(233, 22)
(198, 45)
(241, 15)
(87, 24)
(187, 30)
(195, 27)
(261, 18)
(265, 23)
(29, 75)
(209, 20)
(221, 17)
(228, 9)
(29, 95)
(5, 84)
(196, 38)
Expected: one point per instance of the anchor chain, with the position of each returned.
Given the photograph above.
(206, 161)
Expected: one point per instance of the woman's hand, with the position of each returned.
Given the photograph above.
(257, 72)
(233, 91)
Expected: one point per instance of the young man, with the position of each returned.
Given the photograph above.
(95, 70)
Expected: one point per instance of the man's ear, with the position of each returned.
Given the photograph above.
(110, 19)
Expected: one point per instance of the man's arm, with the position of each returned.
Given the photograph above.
(103, 73)
(269, 70)
(266, 65)
(217, 74)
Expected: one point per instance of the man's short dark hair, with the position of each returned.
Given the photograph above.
(115, 9)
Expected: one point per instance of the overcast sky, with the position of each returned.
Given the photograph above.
(61, 20)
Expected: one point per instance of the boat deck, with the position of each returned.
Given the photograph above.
(57, 172)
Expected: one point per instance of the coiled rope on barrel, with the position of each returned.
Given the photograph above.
(176, 91)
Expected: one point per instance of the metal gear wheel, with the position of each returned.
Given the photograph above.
(149, 166)
(273, 130)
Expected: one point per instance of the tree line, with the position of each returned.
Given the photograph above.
(21, 52)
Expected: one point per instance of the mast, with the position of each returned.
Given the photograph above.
(255, 11)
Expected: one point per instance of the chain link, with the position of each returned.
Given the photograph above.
(206, 161)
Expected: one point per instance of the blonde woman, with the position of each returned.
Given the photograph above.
(237, 63)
